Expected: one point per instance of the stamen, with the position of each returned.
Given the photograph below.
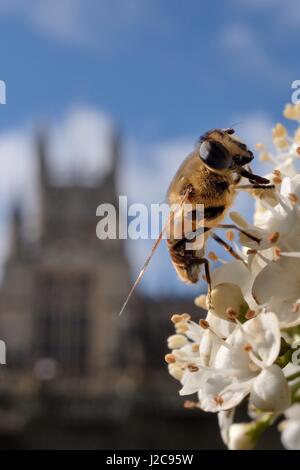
(193, 368)
(298, 151)
(219, 400)
(177, 341)
(231, 313)
(264, 157)
(260, 146)
(293, 198)
(251, 251)
(250, 314)
(230, 235)
(273, 237)
(186, 316)
(170, 358)
(277, 252)
(176, 318)
(189, 404)
(200, 301)
(212, 255)
(204, 324)
(277, 180)
(181, 328)
(195, 347)
(247, 348)
(295, 307)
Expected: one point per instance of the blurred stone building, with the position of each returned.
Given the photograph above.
(60, 296)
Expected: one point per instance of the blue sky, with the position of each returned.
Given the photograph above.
(161, 68)
(164, 70)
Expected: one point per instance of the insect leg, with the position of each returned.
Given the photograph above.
(208, 278)
(252, 177)
(235, 227)
(255, 186)
(227, 247)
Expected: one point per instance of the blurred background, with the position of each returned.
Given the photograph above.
(106, 98)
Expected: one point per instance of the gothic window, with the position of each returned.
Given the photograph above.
(62, 320)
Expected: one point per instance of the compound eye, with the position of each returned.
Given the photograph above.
(214, 155)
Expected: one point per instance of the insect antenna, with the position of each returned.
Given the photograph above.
(153, 249)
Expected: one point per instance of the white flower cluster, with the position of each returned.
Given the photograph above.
(248, 346)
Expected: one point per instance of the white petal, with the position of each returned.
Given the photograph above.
(234, 357)
(270, 390)
(191, 382)
(263, 334)
(225, 419)
(240, 437)
(287, 315)
(222, 327)
(290, 435)
(290, 185)
(235, 273)
(279, 279)
(222, 392)
(293, 412)
(194, 332)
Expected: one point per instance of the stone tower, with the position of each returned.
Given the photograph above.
(60, 298)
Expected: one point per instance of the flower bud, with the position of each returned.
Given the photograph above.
(200, 301)
(176, 341)
(270, 390)
(279, 131)
(241, 436)
(227, 296)
(175, 371)
(290, 112)
(281, 143)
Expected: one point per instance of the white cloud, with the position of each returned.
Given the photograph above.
(60, 19)
(149, 168)
(248, 55)
(105, 25)
(78, 145)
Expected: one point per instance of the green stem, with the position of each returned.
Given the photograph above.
(293, 376)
